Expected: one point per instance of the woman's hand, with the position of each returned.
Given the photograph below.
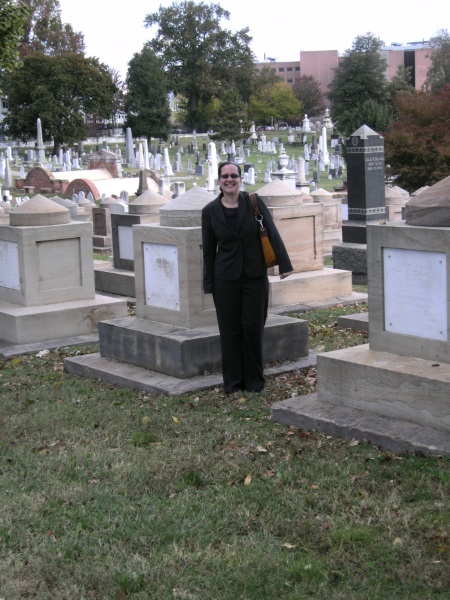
(284, 275)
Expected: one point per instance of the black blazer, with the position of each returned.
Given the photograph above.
(228, 253)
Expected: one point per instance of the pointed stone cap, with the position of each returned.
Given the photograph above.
(149, 202)
(321, 195)
(186, 210)
(70, 204)
(395, 196)
(280, 193)
(106, 202)
(39, 211)
(430, 208)
(400, 191)
(364, 132)
(420, 190)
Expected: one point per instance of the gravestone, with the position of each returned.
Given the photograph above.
(393, 391)
(365, 181)
(175, 331)
(46, 277)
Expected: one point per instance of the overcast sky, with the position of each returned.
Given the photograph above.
(114, 31)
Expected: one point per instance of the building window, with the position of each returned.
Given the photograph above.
(289, 68)
(289, 80)
(297, 68)
(281, 69)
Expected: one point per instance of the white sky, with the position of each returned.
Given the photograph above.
(114, 31)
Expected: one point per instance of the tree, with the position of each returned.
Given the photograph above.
(146, 103)
(13, 17)
(307, 89)
(360, 77)
(267, 76)
(59, 90)
(44, 31)
(230, 117)
(277, 102)
(198, 54)
(417, 143)
(118, 99)
(438, 74)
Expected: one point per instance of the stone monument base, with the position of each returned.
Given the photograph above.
(28, 324)
(110, 280)
(396, 435)
(381, 385)
(183, 352)
(309, 286)
(352, 257)
(399, 387)
(102, 243)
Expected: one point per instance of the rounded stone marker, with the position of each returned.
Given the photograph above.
(37, 212)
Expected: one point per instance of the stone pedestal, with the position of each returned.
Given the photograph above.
(175, 330)
(46, 276)
(365, 180)
(101, 219)
(404, 371)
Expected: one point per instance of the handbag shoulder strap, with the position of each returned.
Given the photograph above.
(254, 203)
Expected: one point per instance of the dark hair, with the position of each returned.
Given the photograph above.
(226, 163)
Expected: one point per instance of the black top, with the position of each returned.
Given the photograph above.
(228, 252)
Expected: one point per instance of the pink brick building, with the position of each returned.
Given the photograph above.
(321, 64)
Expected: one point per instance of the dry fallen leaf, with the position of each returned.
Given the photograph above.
(261, 449)
(289, 546)
(354, 443)
(176, 420)
(248, 480)
(242, 400)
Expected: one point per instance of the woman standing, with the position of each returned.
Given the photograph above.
(235, 273)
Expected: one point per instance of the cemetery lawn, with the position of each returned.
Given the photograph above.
(109, 493)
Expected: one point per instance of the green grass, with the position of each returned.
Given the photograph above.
(110, 493)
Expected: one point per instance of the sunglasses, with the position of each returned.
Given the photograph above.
(232, 175)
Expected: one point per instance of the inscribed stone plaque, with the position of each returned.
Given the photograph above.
(161, 276)
(9, 265)
(125, 234)
(58, 264)
(415, 293)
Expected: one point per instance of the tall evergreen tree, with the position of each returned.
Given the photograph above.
(307, 89)
(359, 78)
(198, 54)
(146, 102)
(231, 119)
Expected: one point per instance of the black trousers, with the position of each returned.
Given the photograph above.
(241, 308)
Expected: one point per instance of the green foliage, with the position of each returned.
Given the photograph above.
(401, 83)
(376, 115)
(198, 54)
(44, 31)
(418, 141)
(275, 101)
(230, 118)
(13, 17)
(438, 74)
(359, 78)
(267, 76)
(146, 102)
(307, 89)
(58, 90)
